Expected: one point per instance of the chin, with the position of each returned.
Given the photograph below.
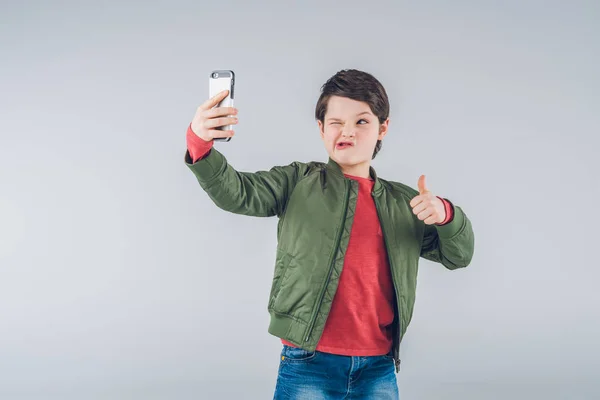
(347, 160)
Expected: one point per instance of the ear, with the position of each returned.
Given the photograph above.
(383, 129)
(321, 129)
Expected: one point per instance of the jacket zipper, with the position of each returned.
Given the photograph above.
(331, 262)
(396, 360)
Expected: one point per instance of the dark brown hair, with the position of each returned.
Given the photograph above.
(355, 85)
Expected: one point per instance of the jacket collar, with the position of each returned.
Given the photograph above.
(335, 168)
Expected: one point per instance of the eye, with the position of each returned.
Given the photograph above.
(363, 120)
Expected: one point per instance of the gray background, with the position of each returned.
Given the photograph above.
(119, 279)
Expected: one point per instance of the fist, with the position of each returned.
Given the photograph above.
(207, 119)
(426, 206)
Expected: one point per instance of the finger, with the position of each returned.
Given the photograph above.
(430, 221)
(216, 122)
(422, 185)
(219, 111)
(420, 207)
(416, 200)
(425, 213)
(216, 133)
(213, 101)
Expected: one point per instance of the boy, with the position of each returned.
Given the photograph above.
(348, 247)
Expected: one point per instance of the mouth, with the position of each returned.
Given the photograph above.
(344, 145)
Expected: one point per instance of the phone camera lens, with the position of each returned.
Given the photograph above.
(215, 75)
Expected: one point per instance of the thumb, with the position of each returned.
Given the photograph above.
(422, 185)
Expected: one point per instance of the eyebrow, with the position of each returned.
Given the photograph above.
(364, 112)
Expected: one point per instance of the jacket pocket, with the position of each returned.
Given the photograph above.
(282, 261)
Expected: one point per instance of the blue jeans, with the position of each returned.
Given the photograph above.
(315, 375)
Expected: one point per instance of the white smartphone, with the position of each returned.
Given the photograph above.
(222, 80)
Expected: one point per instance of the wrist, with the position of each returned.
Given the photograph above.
(195, 137)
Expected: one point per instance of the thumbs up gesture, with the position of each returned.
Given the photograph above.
(426, 206)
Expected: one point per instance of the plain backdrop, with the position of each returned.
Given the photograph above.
(120, 279)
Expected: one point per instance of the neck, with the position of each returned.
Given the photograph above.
(359, 170)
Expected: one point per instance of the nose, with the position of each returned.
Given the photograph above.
(348, 132)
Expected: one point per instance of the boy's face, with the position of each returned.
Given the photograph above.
(351, 121)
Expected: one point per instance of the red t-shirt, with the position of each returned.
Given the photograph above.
(362, 312)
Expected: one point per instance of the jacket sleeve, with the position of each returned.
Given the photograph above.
(451, 244)
(258, 194)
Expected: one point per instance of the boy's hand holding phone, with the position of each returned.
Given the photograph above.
(207, 119)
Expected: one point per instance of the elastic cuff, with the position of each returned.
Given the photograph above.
(453, 227)
(207, 168)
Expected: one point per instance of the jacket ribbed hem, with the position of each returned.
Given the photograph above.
(291, 329)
